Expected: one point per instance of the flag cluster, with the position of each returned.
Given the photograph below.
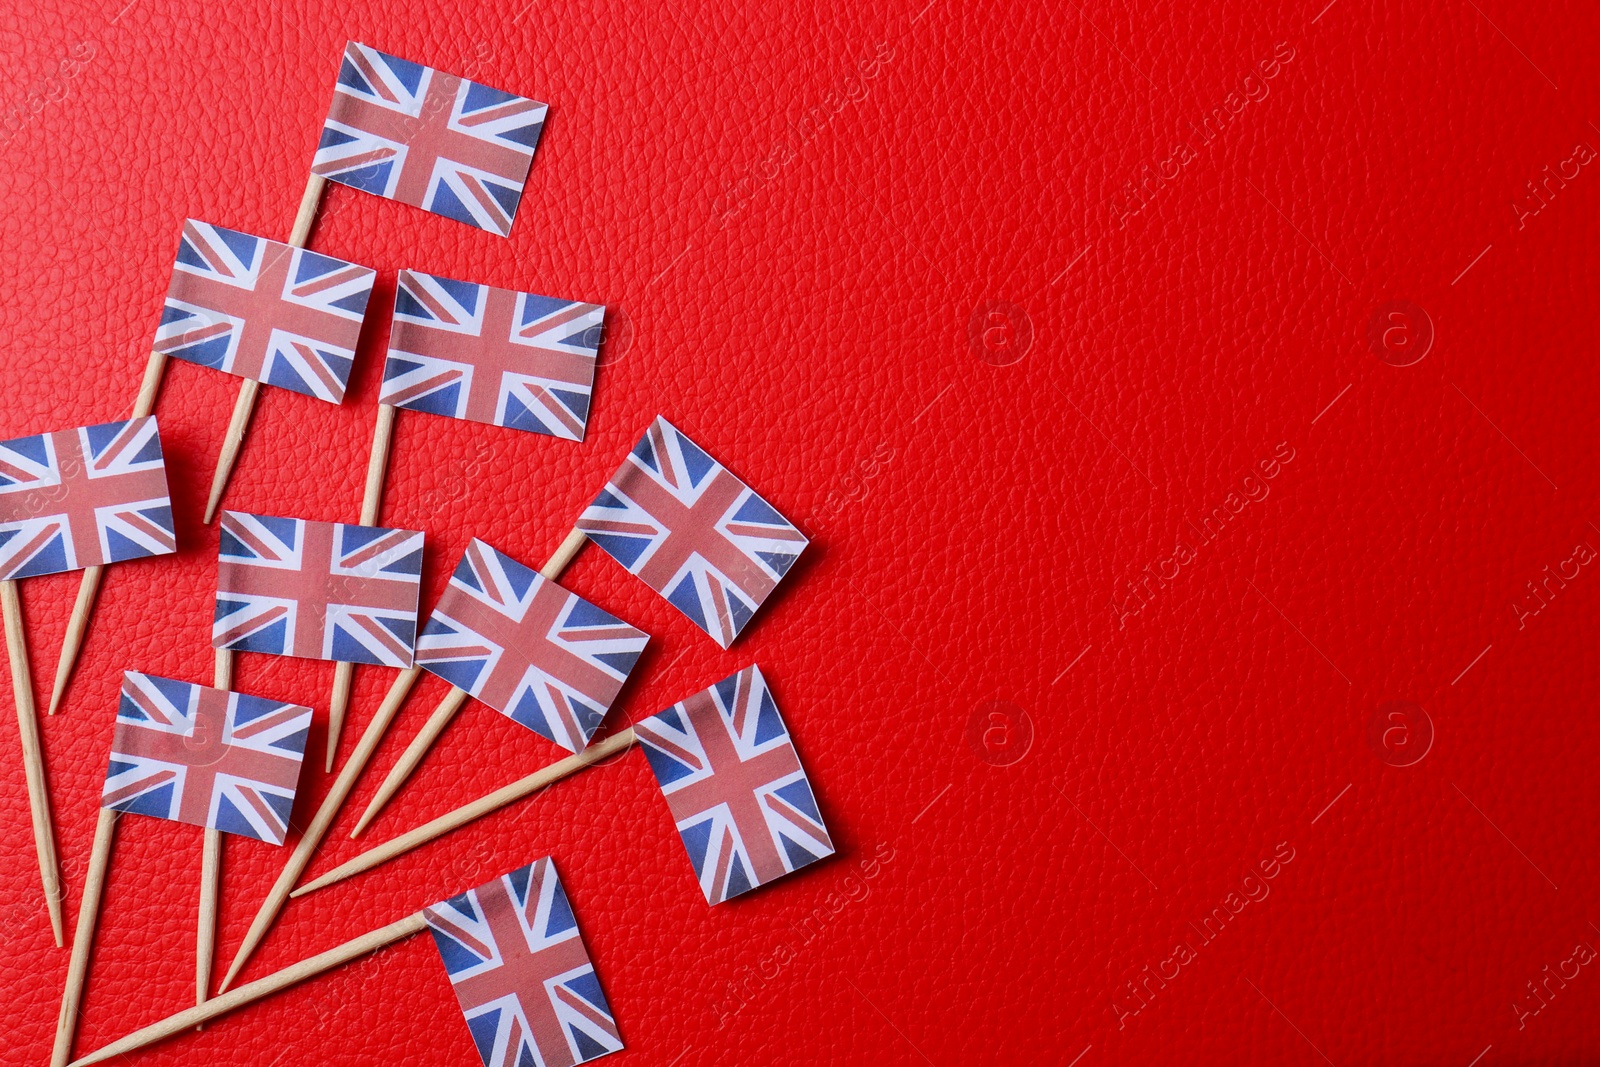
(537, 653)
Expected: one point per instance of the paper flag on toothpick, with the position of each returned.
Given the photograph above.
(83, 498)
(319, 590)
(521, 971)
(204, 756)
(693, 532)
(492, 355)
(734, 784)
(528, 648)
(264, 310)
(429, 139)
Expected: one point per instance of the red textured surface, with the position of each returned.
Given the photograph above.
(797, 252)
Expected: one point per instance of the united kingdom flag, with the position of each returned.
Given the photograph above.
(492, 355)
(696, 534)
(264, 310)
(207, 757)
(429, 139)
(83, 498)
(735, 787)
(319, 590)
(521, 972)
(545, 657)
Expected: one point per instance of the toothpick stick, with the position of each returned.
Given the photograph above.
(242, 408)
(205, 942)
(154, 368)
(534, 782)
(83, 938)
(377, 465)
(321, 821)
(564, 555)
(272, 983)
(338, 704)
(449, 706)
(371, 506)
(83, 610)
(44, 839)
(413, 754)
(232, 441)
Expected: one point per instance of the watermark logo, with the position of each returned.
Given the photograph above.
(1400, 733)
(999, 733)
(612, 336)
(1400, 333)
(1000, 333)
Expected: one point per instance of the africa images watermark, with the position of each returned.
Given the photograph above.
(1543, 589)
(1140, 591)
(1140, 991)
(51, 89)
(850, 89)
(748, 982)
(1153, 177)
(1544, 187)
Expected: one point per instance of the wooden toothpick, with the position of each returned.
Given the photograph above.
(245, 404)
(89, 587)
(565, 554)
(398, 691)
(89, 908)
(371, 507)
(205, 941)
(413, 754)
(272, 983)
(205, 937)
(83, 938)
(44, 839)
(77, 625)
(315, 832)
(446, 711)
(595, 753)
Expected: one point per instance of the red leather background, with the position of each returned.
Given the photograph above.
(796, 252)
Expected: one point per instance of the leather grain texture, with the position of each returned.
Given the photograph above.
(1070, 335)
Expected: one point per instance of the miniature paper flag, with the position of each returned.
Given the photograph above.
(492, 355)
(735, 787)
(545, 657)
(319, 590)
(696, 534)
(521, 972)
(264, 310)
(83, 498)
(203, 756)
(428, 139)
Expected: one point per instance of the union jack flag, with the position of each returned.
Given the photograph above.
(264, 310)
(429, 139)
(83, 498)
(545, 657)
(319, 590)
(735, 787)
(492, 355)
(696, 534)
(207, 757)
(521, 972)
